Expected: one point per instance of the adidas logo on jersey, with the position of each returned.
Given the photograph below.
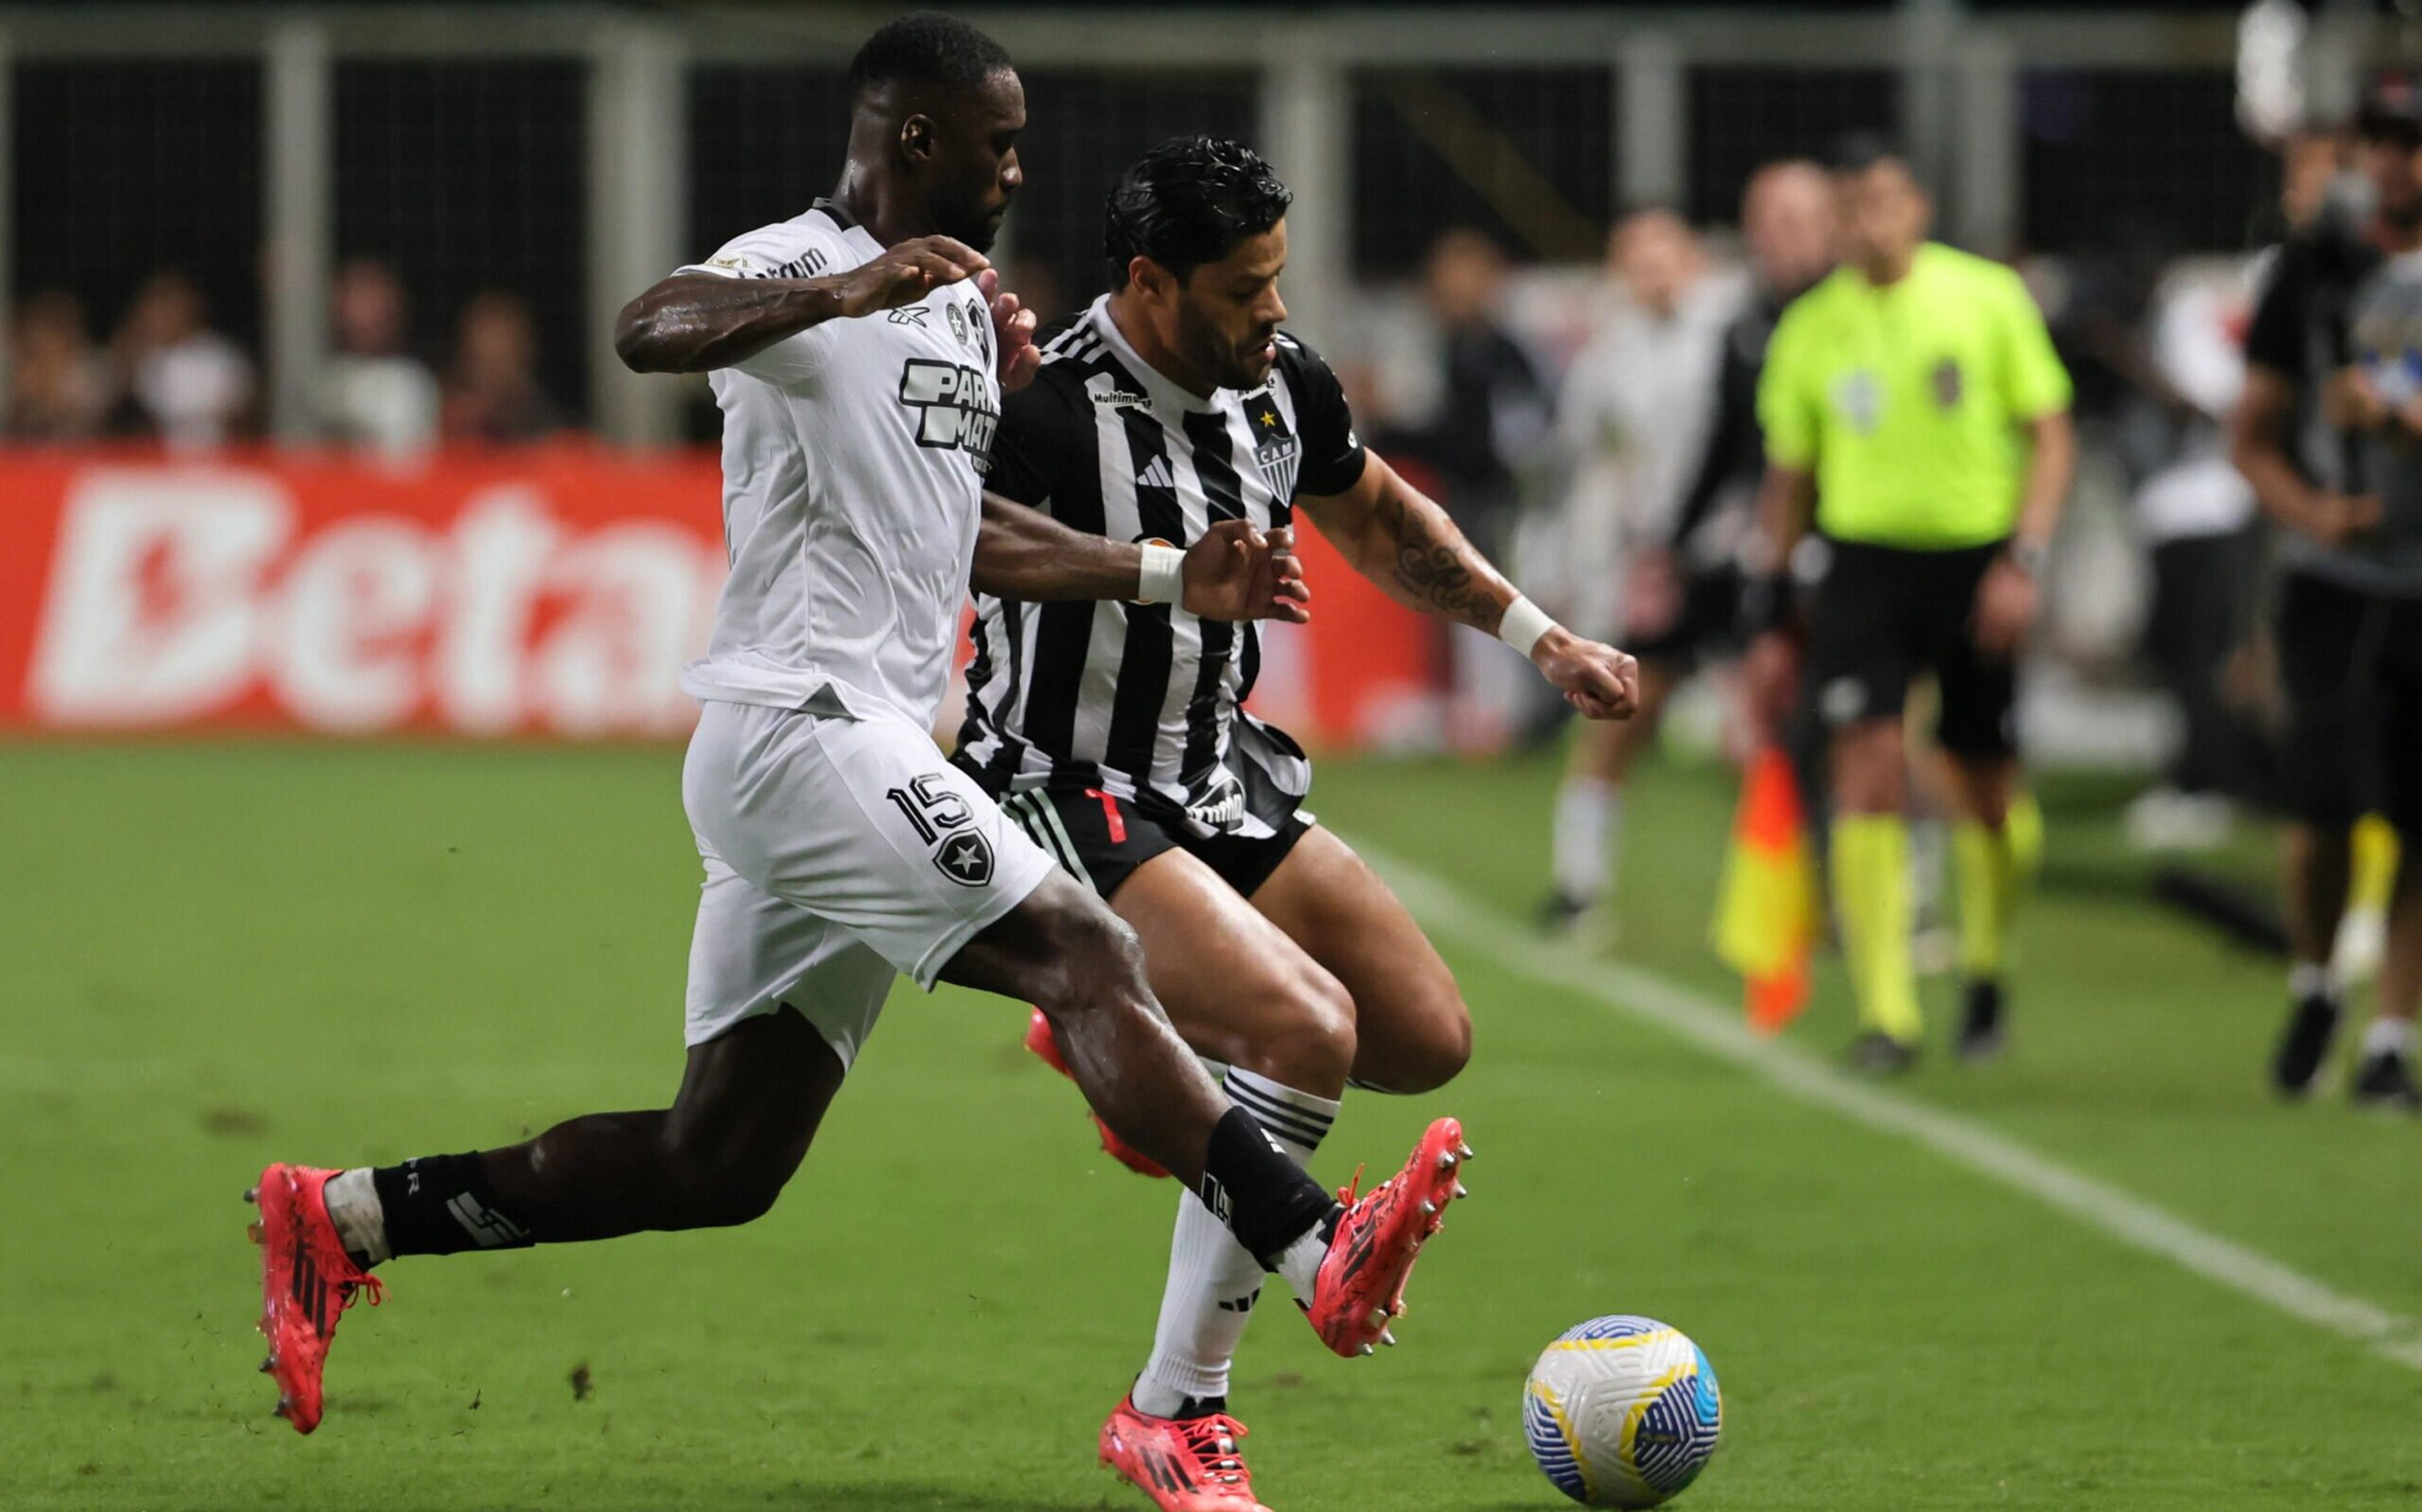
(1156, 474)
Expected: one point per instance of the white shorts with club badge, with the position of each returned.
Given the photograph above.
(839, 851)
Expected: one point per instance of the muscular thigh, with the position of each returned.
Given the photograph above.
(1234, 985)
(1412, 1030)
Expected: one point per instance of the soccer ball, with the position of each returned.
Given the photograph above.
(1621, 1411)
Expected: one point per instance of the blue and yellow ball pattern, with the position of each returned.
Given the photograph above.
(1621, 1411)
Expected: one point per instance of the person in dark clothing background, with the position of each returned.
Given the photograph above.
(2330, 434)
(1493, 408)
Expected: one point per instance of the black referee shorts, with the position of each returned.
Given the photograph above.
(2351, 665)
(1707, 628)
(1101, 839)
(1883, 616)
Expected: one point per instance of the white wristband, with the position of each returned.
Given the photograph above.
(1523, 624)
(1163, 578)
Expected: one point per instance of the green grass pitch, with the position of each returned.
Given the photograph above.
(212, 956)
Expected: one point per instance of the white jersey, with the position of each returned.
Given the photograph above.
(852, 462)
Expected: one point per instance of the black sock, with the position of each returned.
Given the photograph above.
(1250, 1183)
(440, 1203)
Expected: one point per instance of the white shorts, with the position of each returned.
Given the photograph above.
(839, 851)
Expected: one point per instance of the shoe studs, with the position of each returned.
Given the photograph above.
(1367, 1351)
(1446, 1160)
(1388, 1338)
(252, 1195)
(1429, 1208)
(1464, 1150)
(1462, 1190)
(285, 1408)
(269, 1366)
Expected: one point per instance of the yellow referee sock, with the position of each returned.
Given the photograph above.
(1995, 866)
(2374, 874)
(1870, 855)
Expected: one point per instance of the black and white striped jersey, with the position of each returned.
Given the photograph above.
(1143, 701)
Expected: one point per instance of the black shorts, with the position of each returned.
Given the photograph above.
(1883, 616)
(2351, 666)
(1708, 626)
(1101, 839)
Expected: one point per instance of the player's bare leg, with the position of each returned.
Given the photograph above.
(1412, 1029)
(1065, 951)
(1281, 1026)
(749, 1104)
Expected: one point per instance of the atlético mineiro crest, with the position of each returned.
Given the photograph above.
(965, 859)
(1276, 449)
(1280, 458)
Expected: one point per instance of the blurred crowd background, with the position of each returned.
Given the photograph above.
(403, 229)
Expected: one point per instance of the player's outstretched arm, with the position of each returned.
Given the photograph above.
(1233, 571)
(695, 322)
(1401, 539)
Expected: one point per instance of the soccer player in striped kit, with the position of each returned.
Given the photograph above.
(859, 363)
(1114, 733)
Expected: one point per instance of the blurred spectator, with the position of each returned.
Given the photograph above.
(491, 391)
(2197, 512)
(1493, 415)
(1491, 420)
(1633, 417)
(185, 383)
(59, 381)
(374, 395)
(2313, 164)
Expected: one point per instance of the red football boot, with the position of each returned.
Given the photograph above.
(306, 1282)
(1188, 1464)
(1039, 1040)
(1360, 1287)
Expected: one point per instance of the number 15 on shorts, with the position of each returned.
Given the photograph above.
(941, 818)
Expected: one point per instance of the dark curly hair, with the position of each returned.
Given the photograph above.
(1186, 202)
(926, 47)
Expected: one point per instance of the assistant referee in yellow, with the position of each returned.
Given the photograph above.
(1913, 398)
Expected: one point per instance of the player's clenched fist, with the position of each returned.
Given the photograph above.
(906, 274)
(1595, 678)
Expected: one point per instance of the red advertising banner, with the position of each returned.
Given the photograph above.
(555, 592)
(551, 593)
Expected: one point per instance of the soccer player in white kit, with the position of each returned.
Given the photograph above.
(858, 362)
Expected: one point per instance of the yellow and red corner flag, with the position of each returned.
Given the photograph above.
(1767, 918)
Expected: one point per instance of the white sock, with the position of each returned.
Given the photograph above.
(353, 1208)
(2388, 1036)
(1299, 1264)
(2313, 979)
(1213, 1284)
(1589, 822)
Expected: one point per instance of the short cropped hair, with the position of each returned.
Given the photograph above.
(1186, 202)
(926, 47)
(1858, 152)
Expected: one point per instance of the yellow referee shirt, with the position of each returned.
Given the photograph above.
(1906, 401)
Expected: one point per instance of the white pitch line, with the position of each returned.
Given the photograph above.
(2097, 1204)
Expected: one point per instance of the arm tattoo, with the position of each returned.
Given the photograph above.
(1439, 567)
